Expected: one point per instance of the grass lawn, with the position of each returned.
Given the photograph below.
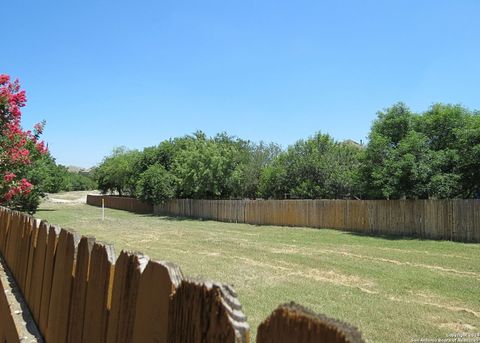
(393, 290)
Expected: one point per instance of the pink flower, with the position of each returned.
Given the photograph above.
(41, 147)
(24, 184)
(17, 147)
(9, 177)
(11, 193)
(4, 79)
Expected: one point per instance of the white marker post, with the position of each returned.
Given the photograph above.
(103, 209)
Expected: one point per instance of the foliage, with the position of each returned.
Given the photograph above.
(206, 168)
(156, 184)
(434, 154)
(19, 150)
(248, 175)
(318, 167)
(115, 173)
(394, 157)
(469, 149)
(52, 178)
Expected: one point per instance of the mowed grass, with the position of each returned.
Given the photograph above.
(393, 290)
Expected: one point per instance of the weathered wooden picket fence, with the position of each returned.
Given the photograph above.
(120, 203)
(457, 220)
(454, 219)
(67, 288)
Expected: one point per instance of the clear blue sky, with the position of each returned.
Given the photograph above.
(111, 73)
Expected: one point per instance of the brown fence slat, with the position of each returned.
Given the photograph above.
(99, 292)
(32, 241)
(128, 270)
(52, 240)
(59, 311)
(23, 252)
(158, 283)
(79, 290)
(291, 323)
(206, 312)
(38, 271)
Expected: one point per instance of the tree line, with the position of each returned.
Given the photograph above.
(50, 177)
(433, 154)
(46, 176)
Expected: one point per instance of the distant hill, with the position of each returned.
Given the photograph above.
(352, 142)
(78, 170)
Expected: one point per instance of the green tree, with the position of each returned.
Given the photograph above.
(469, 165)
(425, 158)
(205, 167)
(387, 163)
(116, 172)
(247, 176)
(317, 167)
(156, 184)
(47, 176)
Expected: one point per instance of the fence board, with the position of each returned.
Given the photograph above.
(291, 323)
(476, 220)
(38, 272)
(31, 251)
(59, 310)
(128, 270)
(206, 312)
(158, 283)
(23, 252)
(98, 295)
(52, 240)
(79, 290)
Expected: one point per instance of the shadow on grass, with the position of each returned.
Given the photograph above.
(45, 210)
(402, 238)
(386, 236)
(176, 219)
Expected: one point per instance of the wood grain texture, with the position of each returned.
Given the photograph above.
(206, 312)
(79, 290)
(53, 233)
(128, 270)
(98, 294)
(291, 323)
(38, 270)
(158, 283)
(61, 294)
(431, 219)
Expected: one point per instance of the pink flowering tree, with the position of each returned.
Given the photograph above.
(19, 149)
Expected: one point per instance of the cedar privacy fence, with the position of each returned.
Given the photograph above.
(453, 219)
(60, 287)
(120, 203)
